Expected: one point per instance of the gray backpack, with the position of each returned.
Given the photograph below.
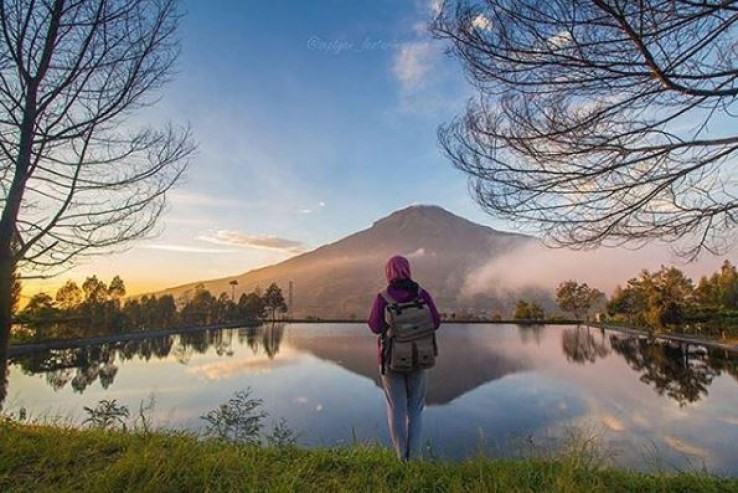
(409, 343)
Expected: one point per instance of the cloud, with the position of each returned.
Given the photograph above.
(264, 242)
(685, 448)
(414, 61)
(536, 266)
(230, 369)
(205, 200)
(435, 6)
(482, 23)
(186, 249)
(420, 252)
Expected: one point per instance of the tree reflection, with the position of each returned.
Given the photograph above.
(679, 370)
(4, 372)
(83, 366)
(581, 347)
(272, 338)
(530, 332)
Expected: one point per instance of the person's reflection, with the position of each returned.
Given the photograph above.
(674, 369)
(581, 347)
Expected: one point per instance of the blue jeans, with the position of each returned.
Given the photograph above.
(405, 393)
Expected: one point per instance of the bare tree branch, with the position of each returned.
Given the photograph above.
(600, 121)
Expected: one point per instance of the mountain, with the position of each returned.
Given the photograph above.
(341, 279)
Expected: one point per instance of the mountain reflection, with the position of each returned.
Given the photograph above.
(464, 362)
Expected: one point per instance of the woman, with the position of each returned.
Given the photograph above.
(405, 391)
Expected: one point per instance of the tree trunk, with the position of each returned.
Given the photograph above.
(6, 305)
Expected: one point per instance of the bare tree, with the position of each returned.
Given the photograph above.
(600, 121)
(77, 174)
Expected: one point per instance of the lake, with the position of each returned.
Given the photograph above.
(505, 390)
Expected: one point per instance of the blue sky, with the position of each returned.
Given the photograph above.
(313, 120)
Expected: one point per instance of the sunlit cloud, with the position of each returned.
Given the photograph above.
(612, 423)
(685, 448)
(229, 369)
(264, 242)
(186, 249)
(306, 211)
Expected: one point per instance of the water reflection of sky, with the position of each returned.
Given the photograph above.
(501, 389)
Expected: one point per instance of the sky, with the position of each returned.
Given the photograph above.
(313, 120)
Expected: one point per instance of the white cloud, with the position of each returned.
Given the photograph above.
(205, 200)
(265, 242)
(321, 204)
(435, 6)
(186, 249)
(481, 22)
(306, 211)
(414, 61)
(420, 252)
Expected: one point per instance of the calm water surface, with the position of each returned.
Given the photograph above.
(501, 389)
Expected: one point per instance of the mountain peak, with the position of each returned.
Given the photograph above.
(417, 211)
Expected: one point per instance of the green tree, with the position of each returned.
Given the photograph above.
(116, 289)
(95, 291)
(577, 298)
(69, 296)
(719, 291)
(274, 300)
(251, 306)
(522, 311)
(40, 306)
(167, 311)
(660, 300)
(77, 173)
(202, 308)
(630, 301)
(669, 298)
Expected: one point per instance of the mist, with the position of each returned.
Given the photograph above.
(538, 266)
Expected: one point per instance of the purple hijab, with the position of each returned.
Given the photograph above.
(397, 268)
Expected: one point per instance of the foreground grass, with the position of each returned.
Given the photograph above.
(41, 458)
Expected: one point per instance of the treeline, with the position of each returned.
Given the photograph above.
(96, 308)
(664, 300)
(668, 300)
